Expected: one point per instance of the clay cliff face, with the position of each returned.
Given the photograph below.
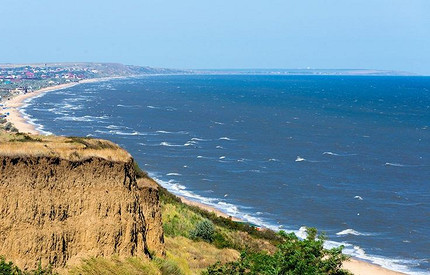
(58, 211)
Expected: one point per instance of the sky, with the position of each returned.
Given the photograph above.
(221, 34)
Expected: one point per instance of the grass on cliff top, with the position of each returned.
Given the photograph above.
(183, 256)
(69, 148)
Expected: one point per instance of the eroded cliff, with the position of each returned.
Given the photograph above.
(65, 199)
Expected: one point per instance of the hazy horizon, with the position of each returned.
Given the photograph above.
(378, 35)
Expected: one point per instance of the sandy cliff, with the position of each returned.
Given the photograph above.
(70, 199)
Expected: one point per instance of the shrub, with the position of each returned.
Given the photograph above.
(204, 230)
(8, 268)
(294, 256)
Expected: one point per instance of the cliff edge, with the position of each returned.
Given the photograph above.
(65, 199)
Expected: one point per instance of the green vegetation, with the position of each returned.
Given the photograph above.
(8, 268)
(7, 126)
(263, 252)
(204, 230)
(140, 174)
(294, 256)
(21, 137)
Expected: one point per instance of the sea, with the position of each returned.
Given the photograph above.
(349, 155)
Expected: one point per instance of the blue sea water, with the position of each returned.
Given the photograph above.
(348, 155)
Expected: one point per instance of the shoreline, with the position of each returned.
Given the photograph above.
(355, 265)
(13, 105)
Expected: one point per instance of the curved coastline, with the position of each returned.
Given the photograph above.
(22, 123)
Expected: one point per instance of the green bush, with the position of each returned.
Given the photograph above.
(8, 268)
(204, 230)
(294, 256)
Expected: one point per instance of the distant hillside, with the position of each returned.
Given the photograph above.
(345, 72)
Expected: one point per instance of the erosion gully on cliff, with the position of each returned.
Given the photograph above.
(63, 199)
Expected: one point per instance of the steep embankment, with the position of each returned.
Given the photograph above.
(64, 199)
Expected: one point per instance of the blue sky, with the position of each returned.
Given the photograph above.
(374, 34)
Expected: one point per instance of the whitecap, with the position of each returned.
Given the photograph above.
(164, 143)
(199, 139)
(299, 159)
(350, 231)
(401, 165)
(168, 132)
(127, 106)
(113, 127)
(225, 138)
(338, 155)
(173, 174)
(72, 118)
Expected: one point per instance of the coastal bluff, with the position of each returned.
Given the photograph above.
(67, 199)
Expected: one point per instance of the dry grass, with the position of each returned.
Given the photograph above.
(70, 148)
(115, 265)
(194, 257)
(184, 256)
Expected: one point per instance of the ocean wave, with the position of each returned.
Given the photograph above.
(299, 159)
(173, 174)
(403, 165)
(152, 107)
(274, 160)
(31, 120)
(120, 133)
(226, 138)
(168, 132)
(128, 106)
(73, 118)
(199, 139)
(350, 231)
(170, 109)
(114, 127)
(167, 144)
(338, 155)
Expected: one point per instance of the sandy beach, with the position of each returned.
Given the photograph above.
(15, 117)
(13, 105)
